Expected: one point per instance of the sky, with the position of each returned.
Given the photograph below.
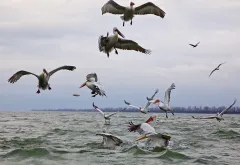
(37, 34)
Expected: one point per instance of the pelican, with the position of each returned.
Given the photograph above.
(219, 116)
(194, 46)
(93, 84)
(110, 140)
(129, 12)
(108, 43)
(43, 78)
(106, 117)
(149, 102)
(217, 68)
(166, 104)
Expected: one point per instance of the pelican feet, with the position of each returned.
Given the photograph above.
(38, 91)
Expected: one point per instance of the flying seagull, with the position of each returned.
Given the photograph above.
(217, 68)
(129, 12)
(106, 117)
(194, 45)
(43, 78)
(218, 116)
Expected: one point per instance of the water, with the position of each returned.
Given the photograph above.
(49, 138)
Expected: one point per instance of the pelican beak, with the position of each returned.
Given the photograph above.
(156, 101)
(141, 138)
(120, 33)
(83, 85)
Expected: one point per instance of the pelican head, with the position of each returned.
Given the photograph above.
(45, 71)
(83, 84)
(131, 4)
(116, 31)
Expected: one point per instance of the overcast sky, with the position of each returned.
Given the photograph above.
(37, 34)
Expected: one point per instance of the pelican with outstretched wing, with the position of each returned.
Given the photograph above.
(108, 43)
(129, 12)
(43, 78)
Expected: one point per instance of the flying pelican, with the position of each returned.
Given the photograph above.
(42, 78)
(218, 116)
(194, 46)
(108, 43)
(110, 140)
(217, 68)
(93, 84)
(76, 95)
(149, 102)
(148, 132)
(106, 117)
(129, 12)
(166, 104)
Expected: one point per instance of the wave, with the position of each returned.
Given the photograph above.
(226, 133)
(25, 153)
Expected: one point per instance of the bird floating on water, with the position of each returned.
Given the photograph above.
(149, 102)
(109, 140)
(219, 116)
(129, 12)
(217, 68)
(106, 117)
(43, 78)
(108, 43)
(194, 46)
(93, 84)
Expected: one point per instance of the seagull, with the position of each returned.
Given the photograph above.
(150, 101)
(217, 68)
(218, 116)
(42, 78)
(93, 84)
(110, 140)
(194, 45)
(106, 117)
(166, 104)
(129, 12)
(76, 95)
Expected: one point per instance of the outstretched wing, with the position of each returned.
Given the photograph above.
(131, 105)
(221, 64)
(65, 67)
(156, 91)
(225, 110)
(212, 72)
(210, 117)
(192, 45)
(99, 110)
(130, 45)
(113, 8)
(92, 77)
(197, 43)
(111, 114)
(19, 74)
(168, 94)
(149, 8)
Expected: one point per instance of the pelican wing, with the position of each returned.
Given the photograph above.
(149, 8)
(99, 110)
(19, 74)
(92, 77)
(65, 67)
(101, 91)
(111, 114)
(130, 45)
(130, 105)
(168, 94)
(210, 117)
(225, 110)
(113, 8)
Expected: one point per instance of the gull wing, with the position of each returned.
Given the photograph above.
(168, 94)
(99, 110)
(210, 117)
(227, 109)
(110, 136)
(130, 105)
(19, 74)
(92, 77)
(111, 114)
(66, 67)
(212, 72)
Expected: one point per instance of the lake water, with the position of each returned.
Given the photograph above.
(49, 138)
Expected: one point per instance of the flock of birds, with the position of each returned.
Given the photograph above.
(106, 45)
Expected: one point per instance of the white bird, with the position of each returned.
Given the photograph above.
(93, 84)
(129, 12)
(43, 78)
(166, 104)
(110, 140)
(219, 116)
(194, 46)
(106, 117)
(148, 132)
(108, 43)
(149, 102)
(217, 68)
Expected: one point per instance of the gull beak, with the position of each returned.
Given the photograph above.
(141, 138)
(83, 85)
(120, 33)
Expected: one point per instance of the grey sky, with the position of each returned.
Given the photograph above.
(37, 34)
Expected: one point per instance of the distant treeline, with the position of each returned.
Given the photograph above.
(205, 109)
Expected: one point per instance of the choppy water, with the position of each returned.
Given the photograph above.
(61, 138)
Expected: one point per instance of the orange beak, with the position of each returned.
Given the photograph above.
(141, 138)
(156, 101)
(82, 85)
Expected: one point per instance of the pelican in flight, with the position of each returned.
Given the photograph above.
(93, 84)
(148, 132)
(110, 140)
(194, 46)
(106, 117)
(219, 116)
(108, 43)
(43, 78)
(166, 104)
(217, 68)
(149, 102)
(129, 12)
